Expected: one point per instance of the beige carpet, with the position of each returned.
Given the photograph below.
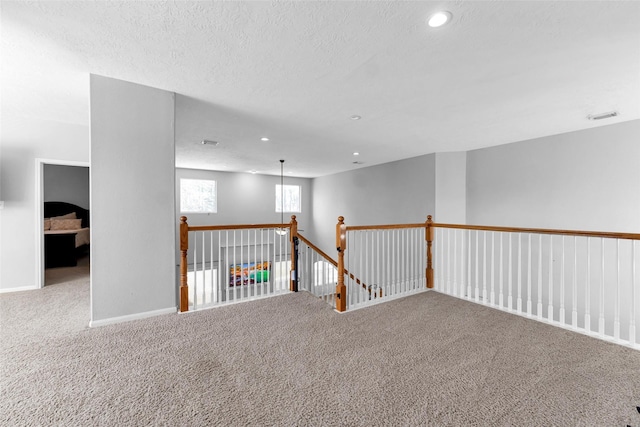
(428, 359)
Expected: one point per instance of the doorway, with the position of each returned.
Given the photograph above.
(62, 255)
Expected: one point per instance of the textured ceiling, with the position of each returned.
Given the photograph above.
(296, 71)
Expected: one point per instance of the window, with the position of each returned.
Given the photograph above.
(198, 196)
(292, 201)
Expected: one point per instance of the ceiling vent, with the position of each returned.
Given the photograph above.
(209, 142)
(602, 116)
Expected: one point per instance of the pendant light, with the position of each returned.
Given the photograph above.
(282, 231)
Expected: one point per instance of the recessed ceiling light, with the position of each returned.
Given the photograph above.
(253, 172)
(355, 117)
(209, 142)
(264, 139)
(438, 19)
(602, 115)
(356, 154)
(290, 173)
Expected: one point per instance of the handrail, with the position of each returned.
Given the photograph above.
(383, 227)
(333, 262)
(231, 227)
(315, 248)
(604, 234)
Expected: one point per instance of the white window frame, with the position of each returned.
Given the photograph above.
(202, 208)
(279, 205)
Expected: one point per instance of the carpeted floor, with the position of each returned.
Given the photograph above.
(428, 359)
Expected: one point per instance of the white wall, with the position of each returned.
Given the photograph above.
(24, 139)
(244, 198)
(132, 200)
(451, 188)
(587, 180)
(66, 184)
(391, 193)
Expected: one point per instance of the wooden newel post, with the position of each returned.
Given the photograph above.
(429, 238)
(341, 246)
(294, 255)
(184, 246)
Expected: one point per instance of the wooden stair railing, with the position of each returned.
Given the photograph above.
(580, 233)
(334, 262)
(341, 247)
(598, 277)
(185, 228)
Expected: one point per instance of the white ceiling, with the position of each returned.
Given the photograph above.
(296, 71)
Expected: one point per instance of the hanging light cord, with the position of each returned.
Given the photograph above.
(282, 193)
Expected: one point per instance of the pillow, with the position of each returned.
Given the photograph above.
(66, 224)
(71, 215)
(47, 223)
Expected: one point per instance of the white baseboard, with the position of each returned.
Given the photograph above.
(18, 289)
(130, 317)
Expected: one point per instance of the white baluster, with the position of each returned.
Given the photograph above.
(501, 296)
(422, 245)
(204, 268)
(550, 302)
(539, 307)
(414, 260)
(387, 270)
(529, 277)
(616, 322)
(443, 275)
(235, 286)
(256, 260)
(269, 272)
(519, 301)
(410, 260)
(510, 281)
(219, 276)
(477, 276)
(284, 262)
(632, 311)
(601, 314)
(449, 262)
(195, 270)
(366, 266)
(362, 250)
(393, 252)
(401, 265)
(468, 264)
(574, 302)
(562, 312)
(484, 268)
(462, 263)
(493, 268)
(212, 293)
(242, 286)
(587, 303)
(455, 262)
(227, 272)
(376, 282)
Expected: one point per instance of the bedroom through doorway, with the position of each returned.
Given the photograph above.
(64, 224)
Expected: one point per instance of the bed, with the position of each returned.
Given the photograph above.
(66, 233)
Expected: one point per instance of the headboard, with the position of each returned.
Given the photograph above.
(62, 208)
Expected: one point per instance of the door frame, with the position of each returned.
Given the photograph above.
(40, 210)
